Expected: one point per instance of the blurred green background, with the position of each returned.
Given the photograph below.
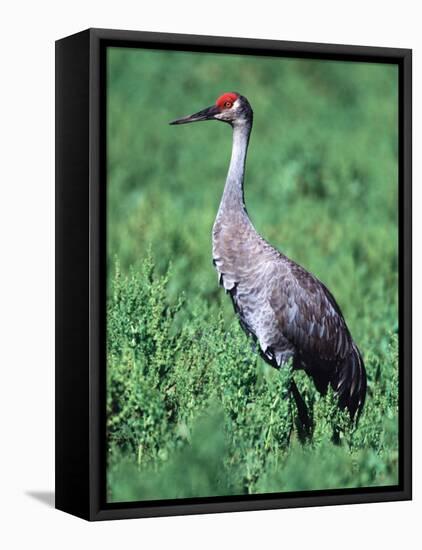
(191, 409)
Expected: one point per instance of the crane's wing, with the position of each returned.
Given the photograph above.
(309, 317)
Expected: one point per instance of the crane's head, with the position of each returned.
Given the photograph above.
(230, 107)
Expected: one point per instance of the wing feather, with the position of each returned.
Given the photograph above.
(312, 320)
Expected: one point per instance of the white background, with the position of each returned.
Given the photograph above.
(27, 273)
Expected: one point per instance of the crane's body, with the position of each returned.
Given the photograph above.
(286, 309)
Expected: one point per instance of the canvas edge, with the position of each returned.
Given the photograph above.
(71, 266)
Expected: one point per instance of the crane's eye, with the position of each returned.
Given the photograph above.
(228, 104)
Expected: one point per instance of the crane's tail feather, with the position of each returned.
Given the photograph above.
(350, 382)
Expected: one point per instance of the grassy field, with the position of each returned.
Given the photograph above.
(191, 410)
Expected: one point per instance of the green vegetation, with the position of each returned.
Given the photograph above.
(191, 408)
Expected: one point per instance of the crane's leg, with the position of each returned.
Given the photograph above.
(302, 410)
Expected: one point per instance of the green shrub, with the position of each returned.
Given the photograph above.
(193, 411)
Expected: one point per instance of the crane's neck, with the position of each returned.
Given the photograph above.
(233, 197)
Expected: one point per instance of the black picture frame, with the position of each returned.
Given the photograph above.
(80, 273)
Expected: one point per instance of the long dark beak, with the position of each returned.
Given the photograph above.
(206, 114)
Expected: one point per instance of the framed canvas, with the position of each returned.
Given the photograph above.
(229, 341)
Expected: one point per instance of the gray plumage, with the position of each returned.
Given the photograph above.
(286, 309)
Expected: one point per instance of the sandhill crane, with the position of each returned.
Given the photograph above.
(286, 309)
